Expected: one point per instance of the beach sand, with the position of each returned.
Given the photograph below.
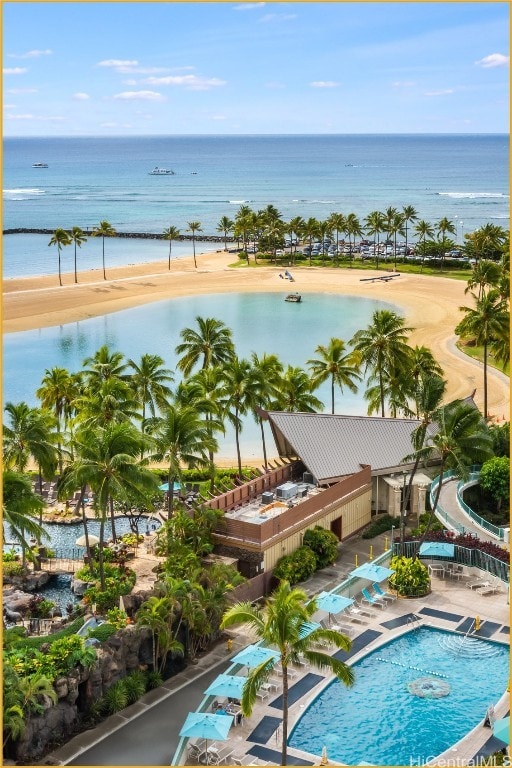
(429, 304)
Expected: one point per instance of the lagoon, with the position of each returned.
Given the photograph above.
(260, 322)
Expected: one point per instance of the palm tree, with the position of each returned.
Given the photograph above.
(77, 237)
(295, 392)
(149, 383)
(375, 223)
(170, 234)
(341, 368)
(194, 226)
(423, 229)
(20, 509)
(57, 392)
(282, 624)
(353, 229)
(181, 439)
(242, 385)
(337, 223)
(267, 369)
(486, 322)
(311, 230)
(210, 345)
(296, 227)
(103, 365)
(103, 230)
(488, 241)
(444, 226)
(422, 363)
(409, 213)
(157, 614)
(461, 439)
(107, 402)
(60, 238)
(485, 273)
(394, 226)
(383, 346)
(225, 225)
(107, 462)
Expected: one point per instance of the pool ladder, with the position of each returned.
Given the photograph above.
(414, 620)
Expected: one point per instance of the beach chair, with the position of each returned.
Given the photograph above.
(490, 589)
(372, 600)
(219, 757)
(239, 759)
(356, 614)
(478, 584)
(384, 595)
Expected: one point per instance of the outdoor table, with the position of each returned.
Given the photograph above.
(436, 570)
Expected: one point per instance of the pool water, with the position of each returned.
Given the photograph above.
(379, 721)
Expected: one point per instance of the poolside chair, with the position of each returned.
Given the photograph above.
(355, 613)
(489, 589)
(478, 583)
(372, 600)
(384, 595)
(239, 759)
(221, 756)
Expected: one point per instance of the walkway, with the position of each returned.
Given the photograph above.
(147, 733)
(448, 503)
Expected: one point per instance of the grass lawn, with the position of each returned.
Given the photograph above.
(477, 353)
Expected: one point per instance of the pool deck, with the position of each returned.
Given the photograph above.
(450, 605)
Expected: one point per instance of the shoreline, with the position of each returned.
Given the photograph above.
(430, 304)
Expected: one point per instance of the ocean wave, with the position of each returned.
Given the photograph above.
(22, 193)
(473, 195)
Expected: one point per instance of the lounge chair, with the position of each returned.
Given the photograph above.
(357, 614)
(478, 583)
(384, 595)
(372, 600)
(489, 589)
(220, 757)
(239, 759)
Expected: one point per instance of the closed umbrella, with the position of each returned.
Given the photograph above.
(204, 725)
(81, 542)
(501, 729)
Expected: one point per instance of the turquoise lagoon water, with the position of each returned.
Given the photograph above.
(379, 722)
(261, 322)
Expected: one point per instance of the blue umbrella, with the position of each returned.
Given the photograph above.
(437, 549)
(165, 487)
(230, 686)
(372, 572)
(254, 655)
(205, 725)
(501, 729)
(332, 603)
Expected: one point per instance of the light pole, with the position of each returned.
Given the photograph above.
(462, 232)
(402, 513)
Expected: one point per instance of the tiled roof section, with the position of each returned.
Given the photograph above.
(334, 446)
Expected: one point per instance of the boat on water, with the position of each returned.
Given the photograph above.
(39, 165)
(161, 172)
(294, 298)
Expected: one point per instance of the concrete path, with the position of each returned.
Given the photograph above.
(449, 504)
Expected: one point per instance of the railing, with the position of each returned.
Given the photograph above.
(441, 513)
(494, 530)
(471, 557)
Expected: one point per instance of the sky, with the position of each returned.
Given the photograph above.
(141, 68)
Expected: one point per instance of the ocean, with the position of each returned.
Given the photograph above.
(462, 177)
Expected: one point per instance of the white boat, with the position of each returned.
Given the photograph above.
(40, 165)
(161, 172)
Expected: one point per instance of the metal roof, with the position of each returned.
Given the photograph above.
(333, 446)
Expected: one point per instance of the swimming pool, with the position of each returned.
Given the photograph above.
(382, 722)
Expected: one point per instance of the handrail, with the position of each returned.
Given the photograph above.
(441, 513)
(494, 530)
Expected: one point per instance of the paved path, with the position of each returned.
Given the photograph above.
(448, 503)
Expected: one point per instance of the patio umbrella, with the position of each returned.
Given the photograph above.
(332, 603)
(165, 487)
(372, 572)
(501, 729)
(81, 542)
(437, 549)
(254, 655)
(205, 725)
(230, 686)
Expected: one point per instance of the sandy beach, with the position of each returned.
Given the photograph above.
(430, 304)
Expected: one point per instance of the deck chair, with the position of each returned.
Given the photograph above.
(384, 595)
(356, 614)
(489, 589)
(372, 600)
(223, 755)
(478, 584)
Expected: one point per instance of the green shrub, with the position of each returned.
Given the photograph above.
(410, 577)
(379, 524)
(153, 679)
(436, 525)
(324, 544)
(12, 569)
(10, 557)
(115, 699)
(298, 566)
(117, 618)
(103, 632)
(134, 685)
